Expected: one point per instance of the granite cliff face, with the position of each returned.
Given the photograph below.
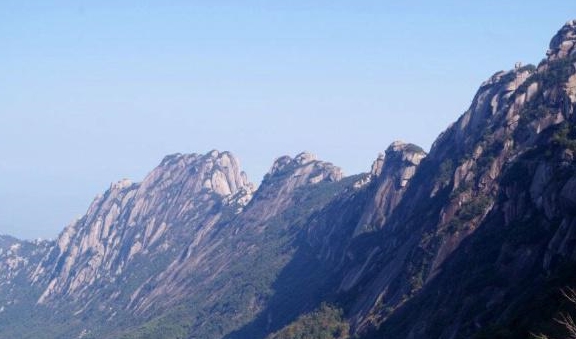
(472, 240)
(240, 239)
(391, 174)
(133, 231)
(186, 235)
(494, 189)
(17, 262)
(180, 199)
(448, 197)
(563, 43)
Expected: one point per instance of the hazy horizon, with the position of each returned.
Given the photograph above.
(93, 93)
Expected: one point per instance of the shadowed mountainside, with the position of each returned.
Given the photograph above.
(473, 239)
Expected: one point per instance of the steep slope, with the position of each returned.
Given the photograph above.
(131, 233)
(392, 173)
(178, 200)
(18, 260)
(495, 192)
(427, 224)
(510, 272)
(171, 257)
(473, 239)
(481, 239)
(189, 241)
(228, 279)
(6, 241)
(323, 237)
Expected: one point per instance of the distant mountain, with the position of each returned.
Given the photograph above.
(6, 241)
(473, 240)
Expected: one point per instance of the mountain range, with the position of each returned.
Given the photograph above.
(474, 239)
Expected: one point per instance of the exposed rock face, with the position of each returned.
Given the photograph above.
(6, 241)
(424, 228)
(274, 196)
(13, 259)
(175, 238)
(17, 260)
(424, 221)
(467, 239)
(490, 182)
(288, 174)
(391, 176)
(304, 166)
(563, 43)
(178, 200)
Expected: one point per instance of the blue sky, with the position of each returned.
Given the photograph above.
(92, 92)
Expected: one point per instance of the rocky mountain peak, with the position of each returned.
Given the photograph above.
(214, 171)
(409, 153)
(398, 154)
(178, 200)
(6, 241)
(279, 164)
(434, 248)
(377, 165)
(285, 176)
(391, 174)
(284, 162)
(304, 165)
(305, 158)
(562, 44)
(121, 184)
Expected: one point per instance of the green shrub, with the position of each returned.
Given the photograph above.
(474, 208)
(324, 323)
(565, 137)
(445, 171)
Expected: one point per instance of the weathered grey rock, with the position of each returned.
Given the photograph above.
(562, 44)
(272, 198)
(147, 216)
(304, 165)
(279, 164)
(414, 243)
(392, 174)
(377, 165)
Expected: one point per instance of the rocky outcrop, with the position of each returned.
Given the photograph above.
(176, 203)
(6, 241)
(493, 218)
(275, 195)
(287, 174)
(458, 184)
(466, 239)
(391, 174)
(17, 260)
(305, 168)
(425, 226)
(13, 259)
(175, 238)
(563, 43)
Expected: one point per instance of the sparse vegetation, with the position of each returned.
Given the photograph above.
(474, 208)
(446, 171)
(565, 319)
(565, 136)
(324, 323)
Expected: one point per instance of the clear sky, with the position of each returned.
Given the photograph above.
(95, 91)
